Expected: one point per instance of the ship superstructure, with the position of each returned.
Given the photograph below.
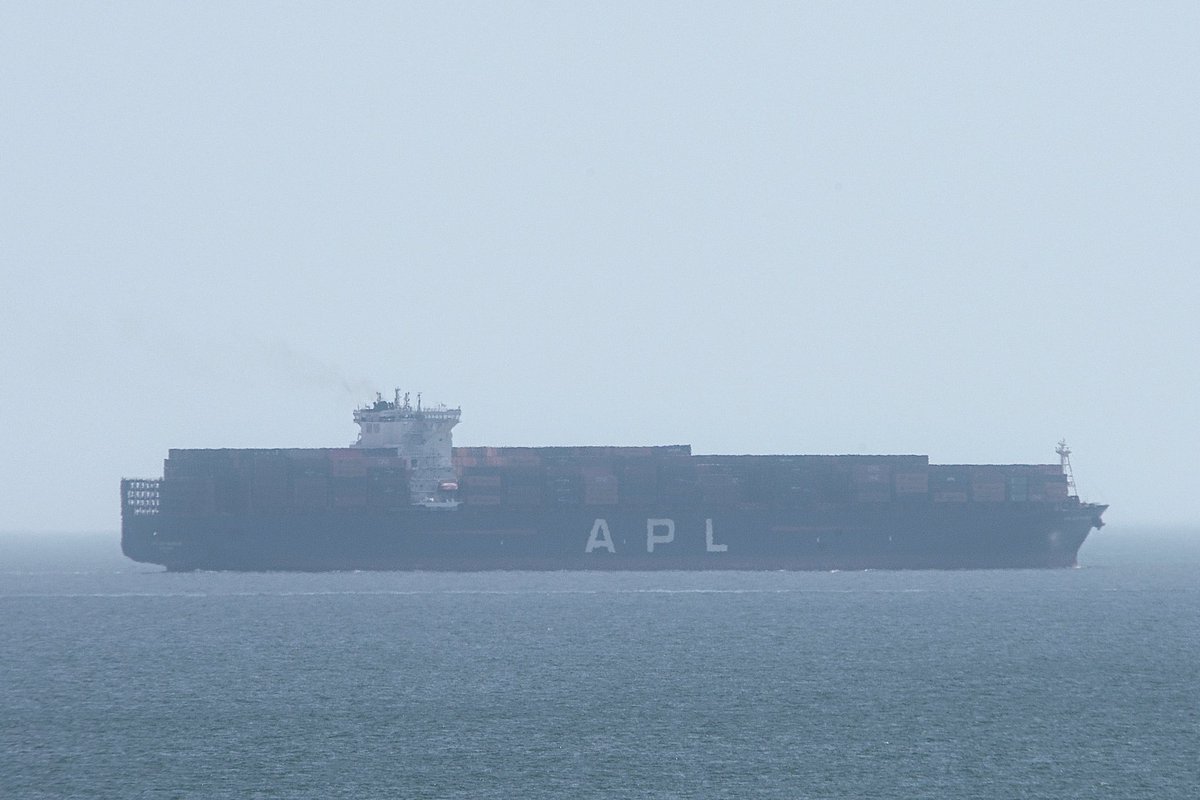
(421, 437)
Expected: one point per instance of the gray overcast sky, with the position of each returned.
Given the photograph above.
(960, 229)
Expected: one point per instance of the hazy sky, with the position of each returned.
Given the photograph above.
(960, 229)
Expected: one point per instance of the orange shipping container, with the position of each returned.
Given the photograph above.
(1055, 492)
(988, 492)
(481, 481)
(523, 496)
(912, 482)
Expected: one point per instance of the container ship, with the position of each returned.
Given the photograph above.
(402, 497)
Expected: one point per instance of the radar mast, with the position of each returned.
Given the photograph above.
(1064, 457)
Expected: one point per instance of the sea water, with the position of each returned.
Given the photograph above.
(119, 680)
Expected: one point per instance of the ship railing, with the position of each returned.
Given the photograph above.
(140, 496)
(393, 416)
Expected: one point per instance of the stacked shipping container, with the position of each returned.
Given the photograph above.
(997, 483)
(283, 480)
(309, 480)
(670, 477)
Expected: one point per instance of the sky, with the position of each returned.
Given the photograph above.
(960, 229)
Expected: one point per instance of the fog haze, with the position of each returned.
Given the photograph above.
(960, 230)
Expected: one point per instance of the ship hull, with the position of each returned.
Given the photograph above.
(923, 536)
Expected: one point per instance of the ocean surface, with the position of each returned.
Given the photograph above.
(119, 680)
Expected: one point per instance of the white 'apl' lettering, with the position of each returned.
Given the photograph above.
(653, 538)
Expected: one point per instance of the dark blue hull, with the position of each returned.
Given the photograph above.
(886, 536)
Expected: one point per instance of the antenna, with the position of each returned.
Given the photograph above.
(1064, 457)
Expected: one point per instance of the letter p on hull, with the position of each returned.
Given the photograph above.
(653, 538)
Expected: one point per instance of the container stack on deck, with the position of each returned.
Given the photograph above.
(672, 477)
(311, 480)
(283, 481)
(997, 483)
(560, 476)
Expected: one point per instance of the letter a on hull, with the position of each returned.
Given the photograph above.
(600, 537)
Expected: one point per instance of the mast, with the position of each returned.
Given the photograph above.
(1064, 457)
